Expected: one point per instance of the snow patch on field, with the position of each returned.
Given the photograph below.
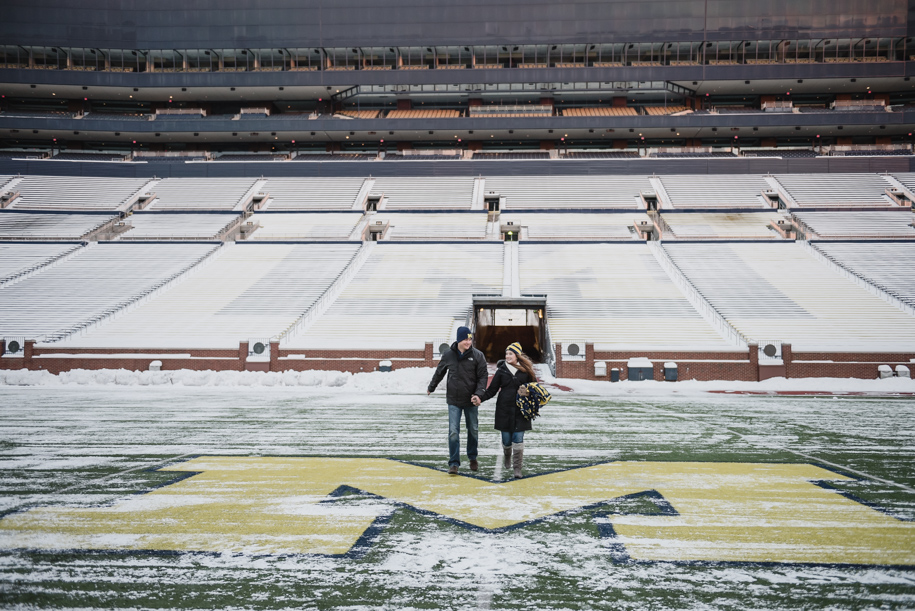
(415, 380)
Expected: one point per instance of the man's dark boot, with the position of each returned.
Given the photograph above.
(474, 465)
(452, 470)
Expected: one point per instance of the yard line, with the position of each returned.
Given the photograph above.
(783, 448)
(484, 597)
(497, 473)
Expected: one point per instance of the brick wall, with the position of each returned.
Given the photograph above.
(226, 359)
(690, 365)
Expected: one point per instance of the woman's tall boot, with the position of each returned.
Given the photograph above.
(517, 458)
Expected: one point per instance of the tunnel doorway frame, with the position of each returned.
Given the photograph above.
(537, 303)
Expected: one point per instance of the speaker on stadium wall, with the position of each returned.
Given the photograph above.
(15, 347)
(259, 349)
(573, 351)
(443, 348)
(771, 350)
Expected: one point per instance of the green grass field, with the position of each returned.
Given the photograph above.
(90, 447)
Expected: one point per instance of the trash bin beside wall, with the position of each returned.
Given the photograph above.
(614, 375)
(670, 372)
(155, 366)
(903, 372)
(885, 371)
(385, 366)
(600, 369)
(640, 368)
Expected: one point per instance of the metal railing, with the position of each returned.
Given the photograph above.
(330, 294)
(696, 299)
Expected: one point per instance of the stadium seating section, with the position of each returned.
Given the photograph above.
(392, 262)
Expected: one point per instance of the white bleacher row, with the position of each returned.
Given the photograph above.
(248, 291)
(164, 225)
(854, 223)
(425, 192)
(834, 190)
(715, 191)
(717, 225)
(18, 259)
(304, 225)
(201, 193)
(98, 281)
(887, 265)
(775, 290)
(571, 192)
(404, 296)
(614, 295)
(414, 193)
(313, 193)
(47, 225)
(433, 225)
(573, 226)
(76, 192)
(4, 180)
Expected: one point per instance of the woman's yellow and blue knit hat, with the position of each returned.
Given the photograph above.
(516, 348)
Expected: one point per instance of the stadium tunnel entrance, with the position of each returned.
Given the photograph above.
(500, 321)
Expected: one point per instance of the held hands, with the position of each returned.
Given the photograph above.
(475, 400)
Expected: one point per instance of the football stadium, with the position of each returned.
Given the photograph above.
(238, 239)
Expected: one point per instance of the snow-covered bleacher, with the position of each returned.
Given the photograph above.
(573, 225)
(720, 225)
(887, 265)
(835, 190)
(77, 193)
(434, 225)
(406, 295)
(425, 192)
(615, 295)
(202, 193)
(20, 258)
(182, 226)
(97, 281)
(776, 290)
(569, 192)
(20, 225)
(304, 225)
(313, 193)
(860, 224)
(715, 191)
(246, 291)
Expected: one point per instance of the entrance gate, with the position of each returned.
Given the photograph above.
(500, 321)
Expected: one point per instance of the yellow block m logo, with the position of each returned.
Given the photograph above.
(739, 512)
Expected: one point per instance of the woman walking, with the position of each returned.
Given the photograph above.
(511, 373)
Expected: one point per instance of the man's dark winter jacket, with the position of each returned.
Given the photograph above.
(467, 375)
(508, 414)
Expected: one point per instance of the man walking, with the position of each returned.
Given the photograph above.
(467, 375)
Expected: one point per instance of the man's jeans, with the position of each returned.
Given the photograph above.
(454, 433)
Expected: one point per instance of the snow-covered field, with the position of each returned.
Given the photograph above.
(98, 441)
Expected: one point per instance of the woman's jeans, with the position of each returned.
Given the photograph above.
(509, 438)
(454, 433)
